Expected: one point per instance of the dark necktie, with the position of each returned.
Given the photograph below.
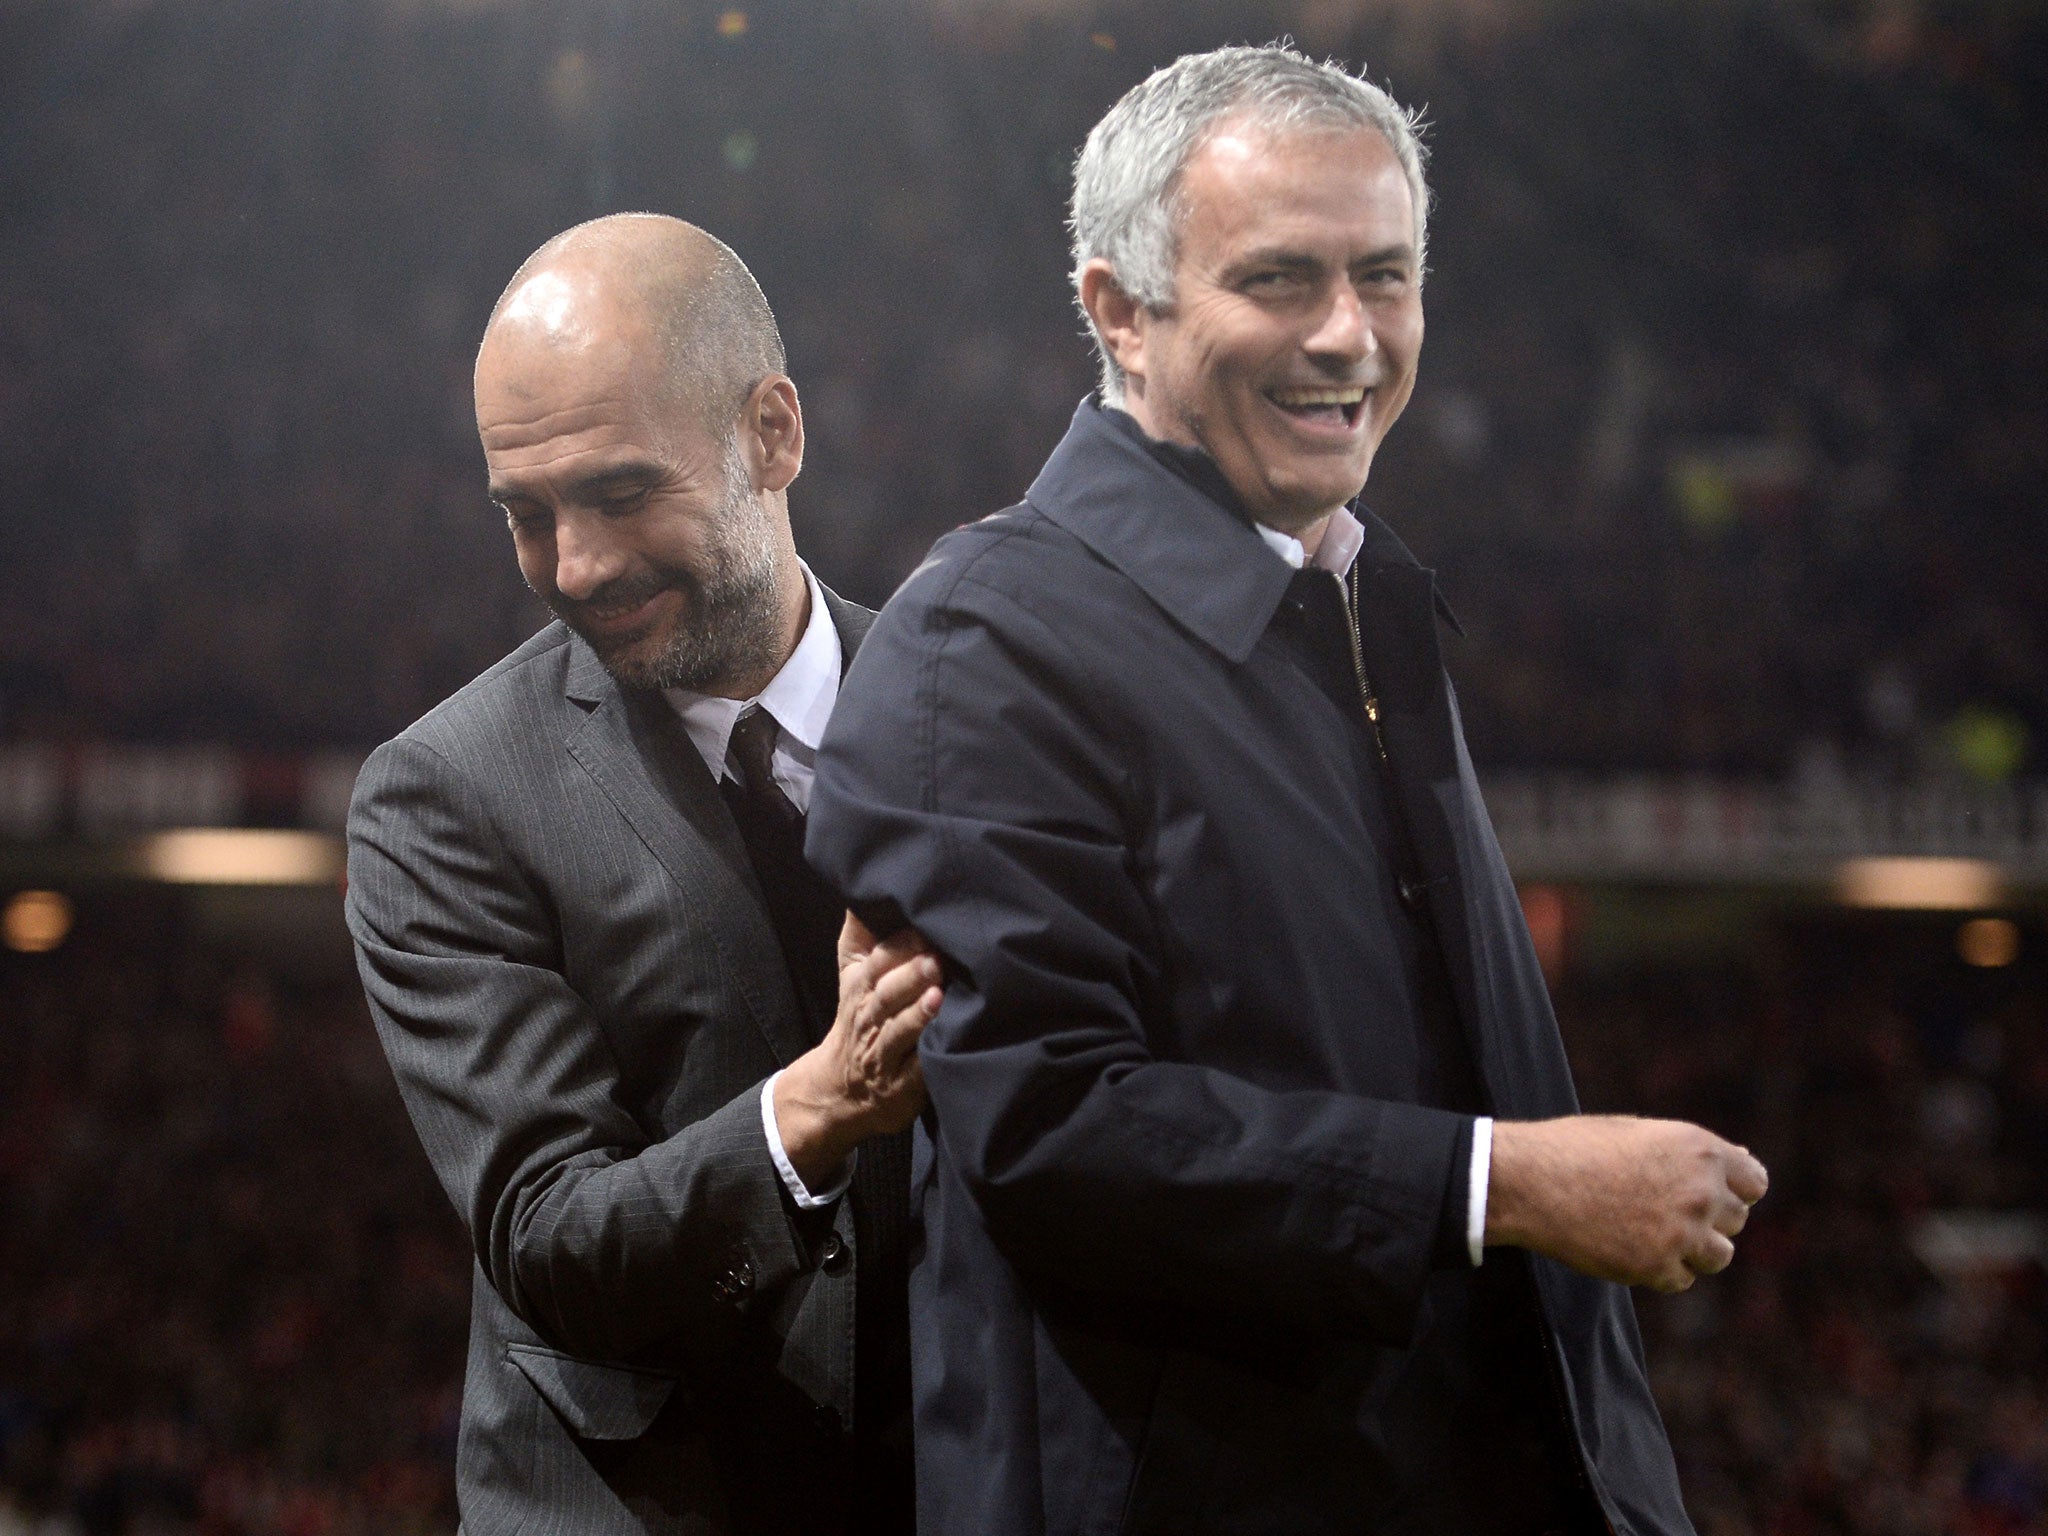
(806, 913)
(802, 906)
(753, 748)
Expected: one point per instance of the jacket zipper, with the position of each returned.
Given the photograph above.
(1365, 694)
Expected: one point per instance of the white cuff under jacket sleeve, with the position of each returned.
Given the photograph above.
(1475, 1191)
(791, 1181)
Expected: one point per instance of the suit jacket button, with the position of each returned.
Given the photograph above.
(737, 1280)
(833, 1254)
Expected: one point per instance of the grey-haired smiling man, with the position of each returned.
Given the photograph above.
(1255, 1195)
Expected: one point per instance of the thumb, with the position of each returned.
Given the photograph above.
(855, 941)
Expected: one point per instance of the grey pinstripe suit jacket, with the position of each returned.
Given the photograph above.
(571, 970)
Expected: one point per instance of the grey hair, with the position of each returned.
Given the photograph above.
(1126, 208)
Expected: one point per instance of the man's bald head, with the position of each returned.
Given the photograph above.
(646, 280)
(641, 435)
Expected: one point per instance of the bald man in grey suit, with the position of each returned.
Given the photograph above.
(603, 975)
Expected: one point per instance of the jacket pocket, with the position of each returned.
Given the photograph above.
(597, 1402)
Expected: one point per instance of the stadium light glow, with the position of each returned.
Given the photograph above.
(1921, 884)
(1988, 942)
(221, 856)
(35, 922)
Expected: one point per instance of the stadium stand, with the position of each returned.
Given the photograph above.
(1729, 447)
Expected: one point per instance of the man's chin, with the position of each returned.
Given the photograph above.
(634, 661)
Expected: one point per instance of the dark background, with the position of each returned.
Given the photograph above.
(1728, 445)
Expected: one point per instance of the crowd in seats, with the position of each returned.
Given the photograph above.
(233, 1299)
(1728, 447)
(1728, 443)
(1875, 1363)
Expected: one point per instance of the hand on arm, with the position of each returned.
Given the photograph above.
(863, 1078)
(1176, 1198)
(609, 1244)
(1640, 1202)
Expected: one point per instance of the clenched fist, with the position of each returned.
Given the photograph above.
(1641, 1202)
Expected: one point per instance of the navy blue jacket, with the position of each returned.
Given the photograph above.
(1192, 1206)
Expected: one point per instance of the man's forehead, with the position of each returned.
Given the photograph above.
(1246, 173)
(558, 350)
(1251, 140)
(550, 304)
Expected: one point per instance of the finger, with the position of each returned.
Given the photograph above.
(891, 952)
(1750, 1180)
(899, 1033)
(854, 940)
(1673, 1280)
(1711, 1255)
(1731, 1216)
(898, 989)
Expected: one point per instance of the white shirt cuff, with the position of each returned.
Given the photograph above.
(1475, 1190)
(791, 1180)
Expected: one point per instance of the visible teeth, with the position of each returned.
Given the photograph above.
(1299, 397)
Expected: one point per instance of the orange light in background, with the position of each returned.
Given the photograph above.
(1926, 885)
(732, 24)
(1103, 41)
(1547, 911)
(36, 922)
(1988, 942)
(235, 856)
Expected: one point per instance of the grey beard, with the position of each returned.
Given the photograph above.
(732, 629)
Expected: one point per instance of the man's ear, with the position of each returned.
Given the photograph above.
(772, 433)
(1119, 319)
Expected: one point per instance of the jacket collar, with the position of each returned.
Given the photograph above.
(1166, 518)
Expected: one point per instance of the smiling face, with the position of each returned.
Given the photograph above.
(641, 528)
(1291, 343)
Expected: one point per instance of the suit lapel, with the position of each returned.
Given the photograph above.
(640, 756)
(636, 749)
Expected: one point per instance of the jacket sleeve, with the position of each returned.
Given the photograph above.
(973, 782)
(607, 1243)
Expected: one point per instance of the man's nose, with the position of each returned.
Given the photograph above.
(585, 559)
(1343, 332)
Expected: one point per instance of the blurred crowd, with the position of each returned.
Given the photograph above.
(1729, 447)
(233, 1300)
(1875, 1363)
(1728, 444)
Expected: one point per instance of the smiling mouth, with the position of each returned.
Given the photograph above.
(617, 619)
(1324, 407)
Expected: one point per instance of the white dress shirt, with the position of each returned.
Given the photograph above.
(799, 699)
(1343, 537)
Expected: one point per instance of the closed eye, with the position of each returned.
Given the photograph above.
(522, 518)
(624, 505)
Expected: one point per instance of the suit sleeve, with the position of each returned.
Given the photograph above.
(973, 781)
(609, 1245)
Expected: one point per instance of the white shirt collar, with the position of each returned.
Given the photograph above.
(799, 697)
(1343, 538)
